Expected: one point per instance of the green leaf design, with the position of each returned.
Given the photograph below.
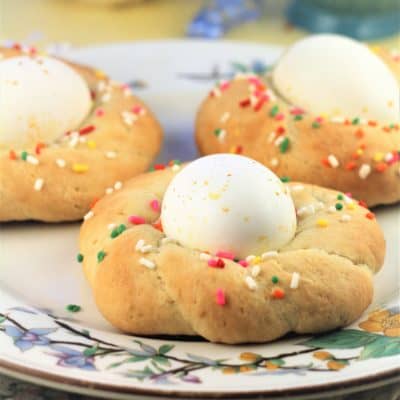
(239, 67)
(277, 361)
(161, 360)
(382, 346)
(344, 339)
(165, 348)
(91, 351)
(2, 319)
(157, 367)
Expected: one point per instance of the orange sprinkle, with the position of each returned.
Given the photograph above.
(280, 130)
(381, 167)
(372, 123)
(370, 215)
(278, 293)
(158, 225)
(359, 133)
(363, 146)
(238, 149)
(362, 203)
(351, 165)
(12, 155)
(93, 203)
(386, 129)
(39, 148)
(325, 162)
(355, 156)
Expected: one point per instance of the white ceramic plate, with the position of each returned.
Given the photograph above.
(39, 341)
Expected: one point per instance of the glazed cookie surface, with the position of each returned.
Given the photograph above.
(59, 180)
(249, 116)
(146, 283)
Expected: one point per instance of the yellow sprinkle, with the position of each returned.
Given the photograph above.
(256, 260)
(232, 149)
(100, 74)
(360, 152)
(322, 223)
(214, 196)
(91, 144)
(351, 206)
(80, 168)
(378, 157)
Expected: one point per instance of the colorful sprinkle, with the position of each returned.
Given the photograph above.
(101, 255)
(79, 257)
(370, 215)
(269, 254)
(80, 168)
(73, 308)
(255, 271)
(88, 215)
(87, 129)
(316, 125)
(61, 163)
(117, 231)
(364, 171)
(136, 220)
(285, 179)
(294, 282)
(12, 155)
(322, 223)
(251, 283)
(274, 279)
(24, 155)
(39, 147)
(147, 263)
(155, 205)
(38, 184)
(274, 110)
(339, 206)
(216, 263)
(277, 293)
(220, 297)
(110, 154)
(225, 254)
(333, 161)
(284, 146)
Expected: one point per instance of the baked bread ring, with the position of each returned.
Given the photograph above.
(147, 284)
(247, 116)
(59, 181)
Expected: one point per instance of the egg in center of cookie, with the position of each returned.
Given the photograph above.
(41, 98)
(227, 202)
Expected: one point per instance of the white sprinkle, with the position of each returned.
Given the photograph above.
(82, 139)
(61, 163)
(274, 162)
(333, 161)
(253, 100)
(269, 254)
(73, 139)
(364, 171)
(176, 167)
(271, 95)
(279, 140)
(139, 244)
(106, 97)
(250, 258)
(294, 283)
(204, 257)
(251, 283)
(128, 117)
(271, 137)
(332, 209)
(109, 190)
(101, 86)
(306, 210)
(111, 226)
(146, 248)
(225, 116)
(38, 184)
(110, 154)
(127, 92)
(362, 121)
(222, 135)
(296, 188)
(338, 120)
(88, 215)
(147, 263)
(348, 200)
(345, 218)
(32, 160)
(388, 157)
(255, 271)
(118, 185)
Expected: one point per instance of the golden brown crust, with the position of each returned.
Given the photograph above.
(360, 147)
(113, 151)
(178, 296)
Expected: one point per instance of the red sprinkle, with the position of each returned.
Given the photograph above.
(280, 117)
(99, 112)
(39, 148)
(278, 293)
(239, 149)
(158, 225)
(17, 46)
(296, 111)
(87, 129)
(12, 155)
(370, 215)
(155, 205)
(135, 219)
(362, 203)
(243, 263)
(280, 130)
(216, 263)
(159, 167)
(220, 297)
(325, 162)
(381, 167)
(225, 254)
(137, 109)
(259, 104)
(225, 85)
(351, 165)
(244, 103)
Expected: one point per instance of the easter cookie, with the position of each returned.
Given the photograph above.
(68, 135)
(223, 249)
(327, 114)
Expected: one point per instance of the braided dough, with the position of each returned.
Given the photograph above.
(73, 173)
(361, 157)
(144, 283)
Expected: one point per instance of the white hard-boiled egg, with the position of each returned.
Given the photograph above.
(40, 99)
(230, 203)
(337, 76)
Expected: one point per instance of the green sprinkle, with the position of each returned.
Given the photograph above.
(74, 308)
(152, 169)
(79, 257)
(101, 255)
(275, 279)
(355, 121)
(392, 126)
(340, 197)
(274, 110)
(177, 162)
(24, 155)
(285, 179)
(217, 132)
(117, 231)
(316, 124)
(298, 117)
(338, 206)
(284, 146)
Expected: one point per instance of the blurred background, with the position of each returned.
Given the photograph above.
(85, 22)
